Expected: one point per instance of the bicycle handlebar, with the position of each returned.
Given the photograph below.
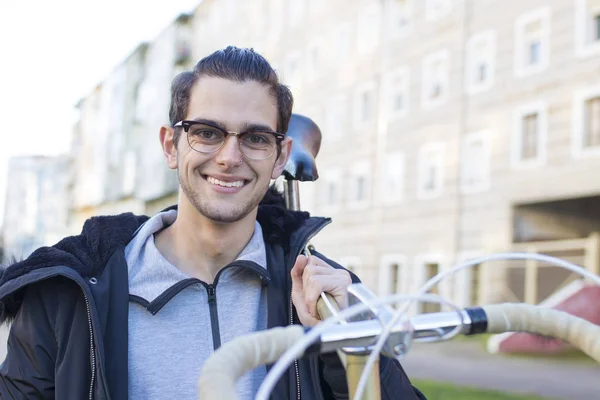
(245, 353)
(242, 354)
(547, 322)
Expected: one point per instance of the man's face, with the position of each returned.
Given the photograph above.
(226, 186)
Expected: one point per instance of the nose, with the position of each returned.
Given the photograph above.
(230, 154)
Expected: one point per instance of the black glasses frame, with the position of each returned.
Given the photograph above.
(187, 124)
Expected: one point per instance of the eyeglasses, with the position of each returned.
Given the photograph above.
(254, 144)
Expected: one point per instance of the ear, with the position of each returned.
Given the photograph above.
(168, 144)
(286, 148)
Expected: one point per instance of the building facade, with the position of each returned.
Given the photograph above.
(451, 129)
(118, 165)
(35, 212)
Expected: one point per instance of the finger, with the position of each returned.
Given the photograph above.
(302, 310)
(315, 265)
(298, 270)
(314, 260)
(312, 293)
(336, 285)
(317, 261)
(312, 270)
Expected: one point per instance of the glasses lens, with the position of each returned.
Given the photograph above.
(258, 145)
(205, 138)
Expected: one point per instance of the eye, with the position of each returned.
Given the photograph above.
(205, 133)
(257, 138)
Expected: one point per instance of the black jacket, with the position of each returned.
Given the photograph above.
(69, 310)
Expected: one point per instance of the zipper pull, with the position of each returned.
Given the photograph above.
(212, 293)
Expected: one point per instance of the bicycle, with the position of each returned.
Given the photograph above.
(369, 326)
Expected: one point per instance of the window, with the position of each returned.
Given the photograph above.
(591, 133)
(368, 32)
(587, 27)
(467, 282)
(364, 104)
(401, 14)
(335, 118)
(359, 185)
(426, 266)
(397, 87)
(430, 171)
(393, 186)
(532, 42)
(435, 79)
(436, 9)
(475, 162)
(331, 192)
(529, 142)
(392, 278)
(586, 122)
(431, 270)
(530, 136)
(481, 53)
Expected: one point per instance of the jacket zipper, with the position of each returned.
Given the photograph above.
(211, 289)
(310, 235)
(296, 368)
(214, 317)
(92, 349)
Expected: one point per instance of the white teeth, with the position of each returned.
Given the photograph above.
(214, 181)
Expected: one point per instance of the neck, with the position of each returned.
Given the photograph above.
(201, 247)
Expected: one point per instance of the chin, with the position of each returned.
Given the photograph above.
(217, 213)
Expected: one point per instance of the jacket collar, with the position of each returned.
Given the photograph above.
(87, 253)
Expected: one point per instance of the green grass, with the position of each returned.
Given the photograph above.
(445, 391)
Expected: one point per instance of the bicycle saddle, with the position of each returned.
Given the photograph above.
(306, 142)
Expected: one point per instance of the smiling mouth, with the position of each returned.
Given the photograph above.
(234, 184)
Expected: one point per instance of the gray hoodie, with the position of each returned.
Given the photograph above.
(176, 322)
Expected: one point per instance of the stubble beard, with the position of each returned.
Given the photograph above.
(214, 211)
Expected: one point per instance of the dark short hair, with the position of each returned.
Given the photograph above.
(236, 64)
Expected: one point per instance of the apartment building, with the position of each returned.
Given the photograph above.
(451, 129)
(118, 164)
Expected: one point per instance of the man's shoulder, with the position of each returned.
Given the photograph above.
(99, 237)
(84, 255)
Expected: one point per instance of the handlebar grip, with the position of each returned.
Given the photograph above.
(242, 354)
(576, 331)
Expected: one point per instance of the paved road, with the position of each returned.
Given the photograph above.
(467, 363)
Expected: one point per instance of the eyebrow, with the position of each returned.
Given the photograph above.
(245, 128)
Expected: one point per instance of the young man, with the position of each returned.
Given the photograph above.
(133, 306)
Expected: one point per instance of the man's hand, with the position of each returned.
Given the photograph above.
(310, 277)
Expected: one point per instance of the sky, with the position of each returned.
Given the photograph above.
(52, 53)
